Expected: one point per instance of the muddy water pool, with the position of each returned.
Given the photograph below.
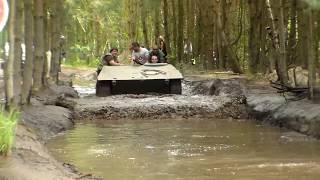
(188, 149)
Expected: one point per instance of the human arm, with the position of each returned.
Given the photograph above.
(114, 63)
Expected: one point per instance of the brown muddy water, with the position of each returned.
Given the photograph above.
(188, 149)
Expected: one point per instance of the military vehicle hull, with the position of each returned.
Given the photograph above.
(151, 78)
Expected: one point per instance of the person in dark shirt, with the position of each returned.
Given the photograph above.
(110, 59)
(157, 52)
(163, 47)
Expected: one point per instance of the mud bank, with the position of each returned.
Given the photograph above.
(30, 158)
(266, 105)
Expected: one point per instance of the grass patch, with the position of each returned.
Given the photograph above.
(8, 122)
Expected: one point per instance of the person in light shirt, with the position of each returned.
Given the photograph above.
(139, 55)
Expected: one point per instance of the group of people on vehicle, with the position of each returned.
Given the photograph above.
(139, 55)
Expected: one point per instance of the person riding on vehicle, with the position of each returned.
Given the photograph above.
(154, 59)
(163, 47)
(110, 59)
(140, 55)
(156, 51)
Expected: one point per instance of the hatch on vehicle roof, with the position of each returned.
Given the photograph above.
(145, 72)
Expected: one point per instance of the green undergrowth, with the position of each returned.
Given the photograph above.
(78, 63)
(8, 123)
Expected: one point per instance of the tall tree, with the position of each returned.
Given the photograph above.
(143, 18)
(174, 26)
(302, 34)
(180, 31)
(207, 16)
(228, 54)
(9, 71)
(39, 46)
(255, 34)
(282, 61)
(156, 19)
(165, 10)
(28, 67)
(18, 24)
(277, 33)
(292, 41)
(56, 30)
(47, 46)
(132, 16)
(311, 57)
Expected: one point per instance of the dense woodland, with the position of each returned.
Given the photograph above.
(245, 36)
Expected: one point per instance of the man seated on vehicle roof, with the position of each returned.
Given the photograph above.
(139, 55)
(156, 51)
(110, 59)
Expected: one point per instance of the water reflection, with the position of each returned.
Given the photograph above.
(188, 149)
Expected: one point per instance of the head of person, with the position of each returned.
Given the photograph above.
(135, 46)
(161, 39)
(155, 47)
(162, 43)
(154, 59)
(154, 56)
(114, 52)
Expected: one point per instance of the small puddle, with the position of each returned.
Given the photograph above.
(187, 149)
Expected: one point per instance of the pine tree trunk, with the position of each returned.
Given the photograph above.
(199, 29)
(255, 33)
(207, 41)
(317, 41)
(282, 62)
(46, 70)
(39, 46)
(143, 18)
(310, 49)
(180, 31)
(302, 35)
(11, 103)
(131, 6)
(28, 67)
(18, 51)
(225, 51)
(277, 33)
(219, 28)
(291, 49)
(166, 25)
(156, 25)
(54, 68)
(174, 29)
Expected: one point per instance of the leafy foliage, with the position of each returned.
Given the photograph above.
(8, 124)
(314, 3)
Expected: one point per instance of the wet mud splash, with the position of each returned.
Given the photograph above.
(214, 98)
